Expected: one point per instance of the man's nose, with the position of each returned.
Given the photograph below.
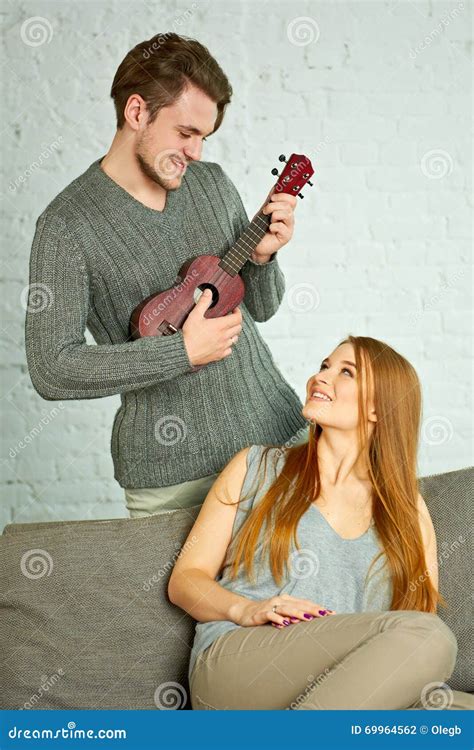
(193, 152)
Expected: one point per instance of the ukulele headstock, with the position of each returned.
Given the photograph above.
(295, 175)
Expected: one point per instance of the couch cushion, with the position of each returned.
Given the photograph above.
(88, 623)
(85, 618)
(449, 498)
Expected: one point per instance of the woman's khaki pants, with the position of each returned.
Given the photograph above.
(372, 660)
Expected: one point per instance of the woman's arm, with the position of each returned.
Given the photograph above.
(429, 541)
(192, 586)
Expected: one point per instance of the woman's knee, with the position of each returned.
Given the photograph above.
(437, 641)
(444, 643)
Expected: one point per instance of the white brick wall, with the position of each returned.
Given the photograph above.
(377, 93)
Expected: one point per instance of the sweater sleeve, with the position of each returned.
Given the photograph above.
(264, 282)
(61, 364)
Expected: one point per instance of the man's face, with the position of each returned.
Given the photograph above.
(175, 138)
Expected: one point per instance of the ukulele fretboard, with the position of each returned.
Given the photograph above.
(241, 251)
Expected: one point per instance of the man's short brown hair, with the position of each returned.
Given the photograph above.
(159, 70)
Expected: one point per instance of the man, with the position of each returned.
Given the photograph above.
(120, 232)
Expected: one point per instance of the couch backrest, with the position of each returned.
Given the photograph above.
(88, 623)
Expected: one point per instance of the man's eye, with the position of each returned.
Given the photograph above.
(185, 135)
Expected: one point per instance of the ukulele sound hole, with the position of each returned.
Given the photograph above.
(200, 289)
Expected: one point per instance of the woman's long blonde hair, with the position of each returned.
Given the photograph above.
(391, 456)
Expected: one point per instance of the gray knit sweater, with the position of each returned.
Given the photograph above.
(97, 252)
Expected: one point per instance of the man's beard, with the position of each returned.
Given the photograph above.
(149, 171)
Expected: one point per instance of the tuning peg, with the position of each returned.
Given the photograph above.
(299, 195)
(282, 157)
(274, 171)
(309, 183)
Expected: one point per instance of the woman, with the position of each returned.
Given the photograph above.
(316, 517)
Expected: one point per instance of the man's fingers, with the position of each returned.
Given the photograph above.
(282, 215)
(283, 199)
(235, 331)
(278, 227)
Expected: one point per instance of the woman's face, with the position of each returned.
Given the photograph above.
(337, 379)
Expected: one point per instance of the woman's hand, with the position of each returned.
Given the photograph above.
(288, 609)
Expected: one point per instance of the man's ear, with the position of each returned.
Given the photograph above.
(135, 112)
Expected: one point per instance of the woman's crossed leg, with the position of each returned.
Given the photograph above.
(371, 660)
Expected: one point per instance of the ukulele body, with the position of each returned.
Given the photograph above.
(162, 314)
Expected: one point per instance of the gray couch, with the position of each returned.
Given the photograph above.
(85, 621)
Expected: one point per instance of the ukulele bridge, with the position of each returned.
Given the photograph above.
(167, 328)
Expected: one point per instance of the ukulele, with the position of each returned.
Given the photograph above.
(164, 313)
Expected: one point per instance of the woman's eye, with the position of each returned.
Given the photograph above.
(344, 369)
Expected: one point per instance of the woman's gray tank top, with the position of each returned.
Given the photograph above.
(327, 569)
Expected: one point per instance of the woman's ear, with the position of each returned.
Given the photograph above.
(372, 415)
